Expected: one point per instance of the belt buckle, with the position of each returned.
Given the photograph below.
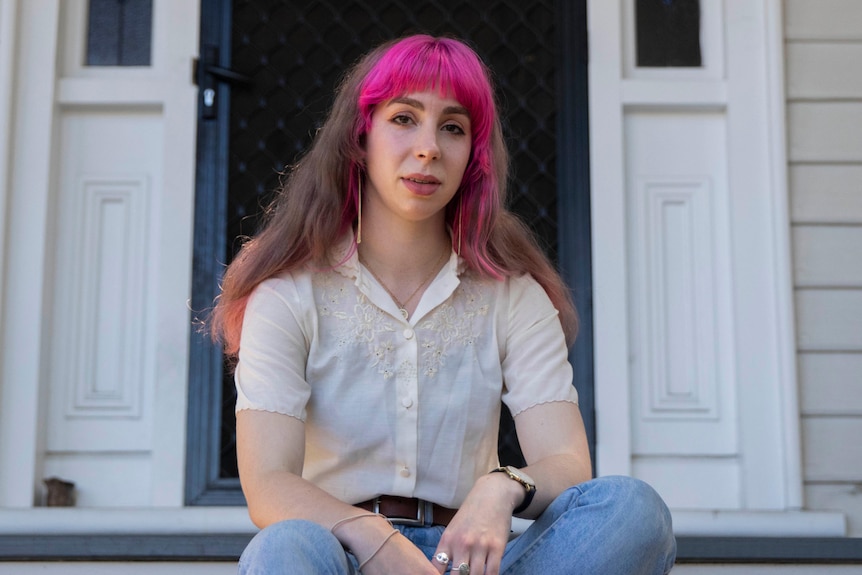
(424, 514)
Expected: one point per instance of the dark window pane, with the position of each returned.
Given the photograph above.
(668, 33)
(120, 32)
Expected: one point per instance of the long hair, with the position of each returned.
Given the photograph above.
(318, 201)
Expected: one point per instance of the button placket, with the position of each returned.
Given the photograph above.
(406, 416)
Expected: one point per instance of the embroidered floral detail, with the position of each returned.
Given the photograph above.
(356, 321)
(331, 294)
(407, 371)
(452, 324)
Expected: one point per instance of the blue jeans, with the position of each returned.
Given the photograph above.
(607, 526)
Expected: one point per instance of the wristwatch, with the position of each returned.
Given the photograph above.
(523, 479)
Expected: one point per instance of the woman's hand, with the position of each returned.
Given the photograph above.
(479, 532)
(399, 555)
(396, 555)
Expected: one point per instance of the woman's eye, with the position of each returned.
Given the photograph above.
(402, 119)
(454, 128)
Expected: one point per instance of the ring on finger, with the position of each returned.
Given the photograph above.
(442, 558)
(463, 569)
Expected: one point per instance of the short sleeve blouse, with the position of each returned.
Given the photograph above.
(394, 406)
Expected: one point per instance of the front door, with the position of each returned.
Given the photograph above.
(266, 76)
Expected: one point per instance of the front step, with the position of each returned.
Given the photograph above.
(229, 568)
(216, 554)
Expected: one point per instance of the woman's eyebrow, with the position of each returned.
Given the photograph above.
(414, 103)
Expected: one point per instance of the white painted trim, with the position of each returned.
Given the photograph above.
(610, 310)
(708, 95)
(175, 44)
(784, 301)
(137, 568)
(8, 39)
(25, 317)
(759, 524)
(760, 259)
(212, 520)
(118, 521)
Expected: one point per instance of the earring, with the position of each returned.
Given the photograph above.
(359, 210)
(460, 226)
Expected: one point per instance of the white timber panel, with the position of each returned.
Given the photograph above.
(679, 293)
(823, 19)
(842, 497)
(830, 194)
(693, 483)
(822, 70)
(828, 256)
(825, 131)
(831, 383)
(832, 448)
(110, 479)
(101, 363)
(829, 319)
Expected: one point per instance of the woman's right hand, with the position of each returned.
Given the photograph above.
(397, 555)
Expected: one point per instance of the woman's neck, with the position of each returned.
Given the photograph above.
(402, 255)
(404, 263)
(403, 250)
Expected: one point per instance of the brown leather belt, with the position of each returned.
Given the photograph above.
(409, 510)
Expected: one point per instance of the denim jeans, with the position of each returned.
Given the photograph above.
(607, 526)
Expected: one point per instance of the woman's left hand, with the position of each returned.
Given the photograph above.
(479, 532)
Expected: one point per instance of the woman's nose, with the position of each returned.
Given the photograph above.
(427, 146)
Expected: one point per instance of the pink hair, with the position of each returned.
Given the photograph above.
(317, 203)
(424, 63)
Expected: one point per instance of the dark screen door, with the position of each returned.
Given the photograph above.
(266, 75)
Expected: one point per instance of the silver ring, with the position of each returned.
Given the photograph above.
(442, 558)
(463, 569)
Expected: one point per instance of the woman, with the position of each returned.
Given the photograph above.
(386, 308)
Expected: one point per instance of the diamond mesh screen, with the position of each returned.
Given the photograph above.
(295, 53)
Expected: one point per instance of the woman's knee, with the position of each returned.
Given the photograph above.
(648, 519)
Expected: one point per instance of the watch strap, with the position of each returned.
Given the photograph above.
(529, 488)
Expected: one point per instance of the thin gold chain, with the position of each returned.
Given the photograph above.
(402, 307)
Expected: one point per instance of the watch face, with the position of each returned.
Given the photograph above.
(521, 475)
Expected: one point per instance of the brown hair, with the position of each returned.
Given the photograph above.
(317, 202)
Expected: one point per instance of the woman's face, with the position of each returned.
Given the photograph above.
(417, 149)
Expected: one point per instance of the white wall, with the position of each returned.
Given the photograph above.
(824, 97)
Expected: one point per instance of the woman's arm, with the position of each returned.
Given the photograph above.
(270, 453)
(554, 443)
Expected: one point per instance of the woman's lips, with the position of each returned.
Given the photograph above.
(421, 185)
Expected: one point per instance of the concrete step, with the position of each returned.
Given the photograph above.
(229, 568)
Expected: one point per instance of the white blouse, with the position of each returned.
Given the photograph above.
(394, 406)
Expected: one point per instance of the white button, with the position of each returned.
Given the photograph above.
(408, 333)
(405, 472)
(407, 402)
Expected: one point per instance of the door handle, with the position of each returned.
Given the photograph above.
(209, 75)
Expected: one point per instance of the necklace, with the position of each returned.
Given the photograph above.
(402, 307)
